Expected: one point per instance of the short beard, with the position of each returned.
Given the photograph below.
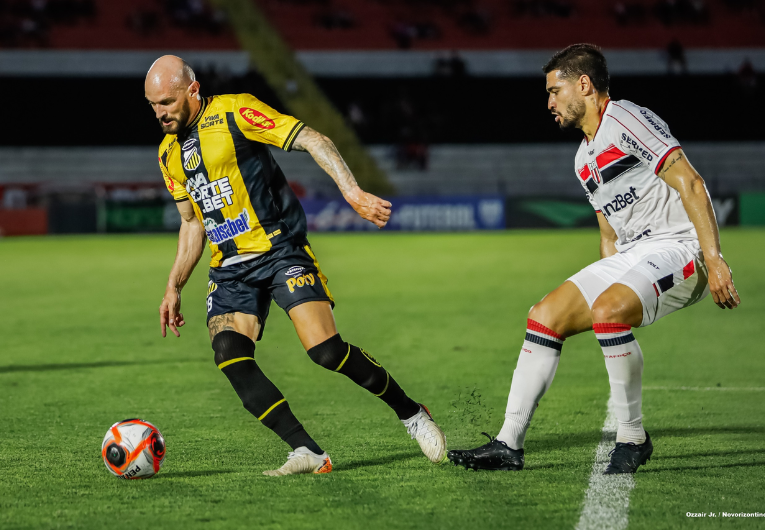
(178, 126)
(573, 118)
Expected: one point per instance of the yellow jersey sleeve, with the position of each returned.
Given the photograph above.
(173, 186)
(261, 123)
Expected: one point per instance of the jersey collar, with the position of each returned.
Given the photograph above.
(602, 112)
(202, 109)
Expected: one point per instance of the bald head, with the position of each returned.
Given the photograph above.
(170, 71)
(173, 92)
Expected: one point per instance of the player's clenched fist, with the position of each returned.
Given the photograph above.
(369, 207)
(721, 284)
(170, 315)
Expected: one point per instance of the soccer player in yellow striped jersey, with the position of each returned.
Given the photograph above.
(229, 190)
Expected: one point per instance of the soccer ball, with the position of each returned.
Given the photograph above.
(133, 449)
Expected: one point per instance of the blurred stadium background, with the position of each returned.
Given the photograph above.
(439, 104)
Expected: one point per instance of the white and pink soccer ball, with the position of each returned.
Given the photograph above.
(133, 449)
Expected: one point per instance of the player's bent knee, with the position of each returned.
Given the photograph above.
(604, 310)
(230, 346)
(547, 315)
(538, 311)
(330, 353)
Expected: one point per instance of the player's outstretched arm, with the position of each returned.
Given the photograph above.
(608, 237)
(679, 174)
(325, 153)
(191, 240)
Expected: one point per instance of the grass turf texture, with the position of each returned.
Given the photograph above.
(444, 313)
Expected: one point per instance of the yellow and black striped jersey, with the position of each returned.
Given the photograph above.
(223, 165)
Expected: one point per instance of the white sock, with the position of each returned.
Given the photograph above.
(624, 362)
(532, 377)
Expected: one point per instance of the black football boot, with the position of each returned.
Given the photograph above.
(628, 457)
(495, 455)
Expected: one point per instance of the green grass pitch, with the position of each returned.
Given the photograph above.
(81, 349)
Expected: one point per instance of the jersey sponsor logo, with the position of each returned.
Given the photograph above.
(210, 121)
(300, 281)
(658, 126)
(620, 202)
(228, 229)
(627, 142)
(258, 119)
(295, 271)
(210, 196)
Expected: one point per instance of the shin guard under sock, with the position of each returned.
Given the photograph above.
(364, 370)
(624, 362)
(235, 356)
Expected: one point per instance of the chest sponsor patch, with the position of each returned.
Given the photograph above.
(210, 196)
(620, 202)
(256, 118)
(228, 229)
(658, 125)
(211, 121)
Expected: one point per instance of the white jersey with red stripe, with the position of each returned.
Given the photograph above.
(618, 171)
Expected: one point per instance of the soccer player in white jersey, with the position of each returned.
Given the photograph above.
(659, 249)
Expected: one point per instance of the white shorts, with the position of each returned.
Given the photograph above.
(665, 275)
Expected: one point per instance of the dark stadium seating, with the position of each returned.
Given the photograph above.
(526, 24)
(388, 24)
(113, 24)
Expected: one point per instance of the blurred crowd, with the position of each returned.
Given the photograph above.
(410, 21)
(193, 15)
(27, 23)
(668, 12)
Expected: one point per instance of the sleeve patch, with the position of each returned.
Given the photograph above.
(256, 119)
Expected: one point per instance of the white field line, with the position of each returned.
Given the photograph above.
(607, 499)
(709, 388)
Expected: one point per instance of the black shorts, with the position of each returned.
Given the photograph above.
(290, 275)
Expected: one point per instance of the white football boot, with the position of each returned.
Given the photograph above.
(428, 434)
(303, 460)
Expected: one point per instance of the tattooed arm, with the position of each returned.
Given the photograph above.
(679, 174)
(327, 156)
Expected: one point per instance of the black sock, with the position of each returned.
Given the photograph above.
(235, 356)
(364, 370)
